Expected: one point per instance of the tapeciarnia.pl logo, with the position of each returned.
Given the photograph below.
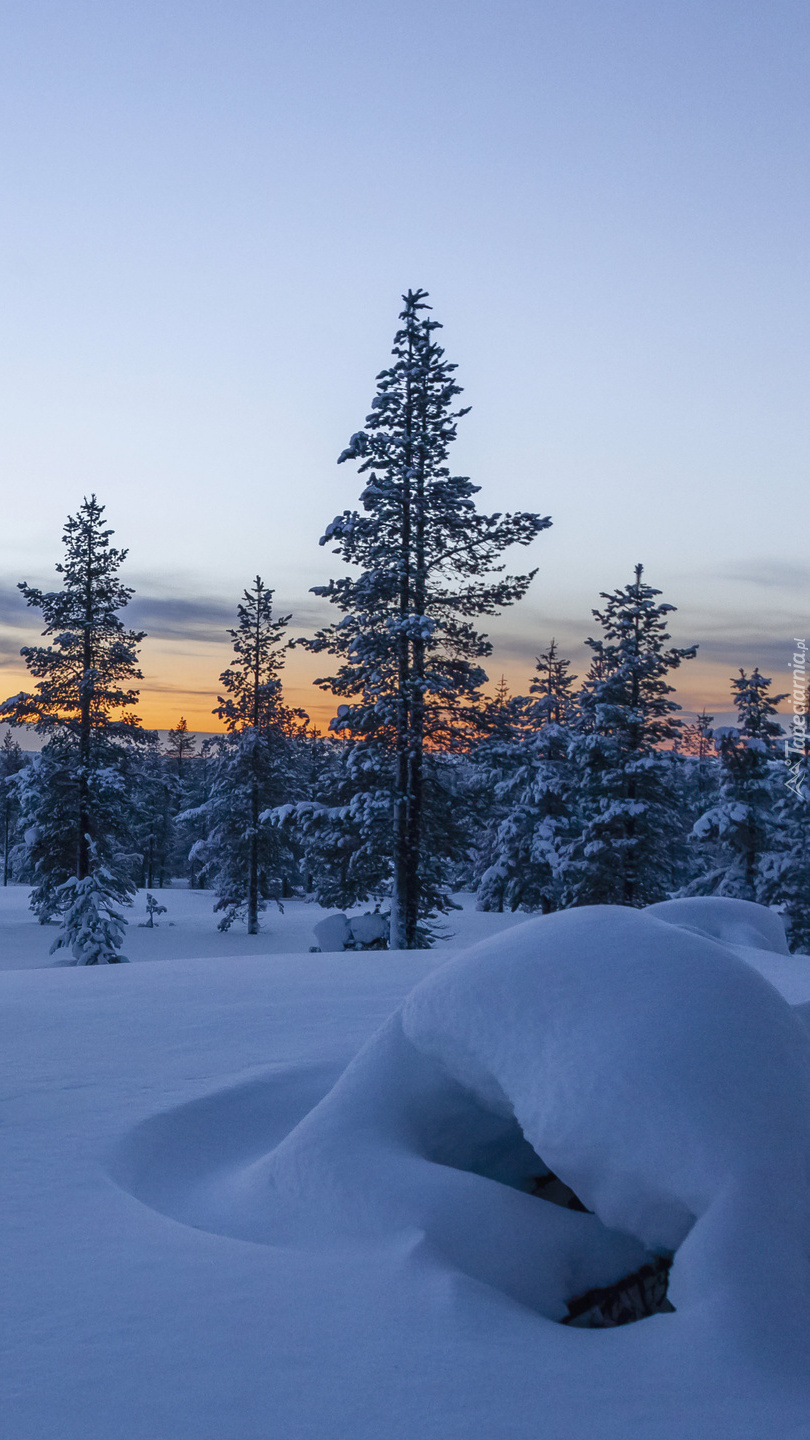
(796, 740)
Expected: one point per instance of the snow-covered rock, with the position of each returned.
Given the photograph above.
(369, 930)
(361, 932)
(333, 933)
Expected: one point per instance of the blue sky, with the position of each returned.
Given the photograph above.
(211, 209)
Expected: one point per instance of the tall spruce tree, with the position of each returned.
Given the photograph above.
(631, 842)
(253, 768)
(77, 796)
(428, 564)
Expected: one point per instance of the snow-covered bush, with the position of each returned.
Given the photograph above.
(153, 909)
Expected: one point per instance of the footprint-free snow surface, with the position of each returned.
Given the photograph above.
(275, 1197)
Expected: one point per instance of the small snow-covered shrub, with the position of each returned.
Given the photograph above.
(153, 909)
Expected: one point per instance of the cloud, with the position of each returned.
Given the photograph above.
(19, 625)
(181, 617)
(173, 617)
(771, 574)
(725, 645)
(188, 692)
(769, 653)
(14, 612)
(163, 617)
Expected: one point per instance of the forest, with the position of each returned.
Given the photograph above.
(585, 790)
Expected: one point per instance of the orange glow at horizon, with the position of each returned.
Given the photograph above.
(698, 684)
(161, 711)
(181, 680)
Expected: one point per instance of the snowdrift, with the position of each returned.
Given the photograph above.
(632, 1054)
(223, 1231)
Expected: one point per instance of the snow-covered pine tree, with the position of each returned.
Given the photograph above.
(553, 687)
(12, 761)
(253, 768)
(494, 756)
(631, 842)
(343, 825)
(181, 745)
(48, 789)
(77, 796)
(93, 927)
(696, 740)
(182, 769)
(428, 564)
(740, 827)
(700, 781)
(535, 790)
(156, 805)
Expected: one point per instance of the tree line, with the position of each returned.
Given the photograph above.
(424, 785)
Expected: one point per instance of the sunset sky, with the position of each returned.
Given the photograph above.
(211, 208)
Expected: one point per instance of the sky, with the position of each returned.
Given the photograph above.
(211, 209)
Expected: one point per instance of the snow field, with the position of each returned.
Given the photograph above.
(188, 931)
(208, 1241)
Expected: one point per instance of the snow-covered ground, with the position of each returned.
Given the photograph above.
(188, 930)
(193, 1253)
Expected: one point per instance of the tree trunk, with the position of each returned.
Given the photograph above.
(399, 890)
(83, 849)
(416, 739)
(85, 718)
(629, 886)
(253, 876)
(413, 808)
(399, 938)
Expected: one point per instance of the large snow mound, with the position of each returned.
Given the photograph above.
(646, 1065)
(656, 1073)
(389, 1231)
